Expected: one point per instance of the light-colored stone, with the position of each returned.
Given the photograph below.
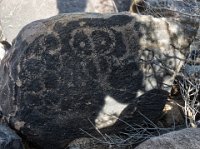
(1, 34)
(101, 6)
(91, 143)
(15, 14)
(2, 51)
(183, 139)
(166, 8)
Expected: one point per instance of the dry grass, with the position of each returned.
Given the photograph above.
(190, 76)
(189, 83)
(190, 88)
(164, 8)
(133, 135)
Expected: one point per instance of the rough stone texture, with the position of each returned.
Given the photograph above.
(15, 14)
(183, 139)
(8, 139)
(172, 114)
(2, 50)
(69, 71)
(192, 66)
(101, 6)
(123, 5)
(108, 6)
(1, 33)
(166, 8)
(89, 143)
(4, 45)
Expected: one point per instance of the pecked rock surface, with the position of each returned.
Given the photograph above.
(68, 72)
(182, 139)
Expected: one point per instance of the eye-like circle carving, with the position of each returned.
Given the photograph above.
(102, 41)
(80, 42)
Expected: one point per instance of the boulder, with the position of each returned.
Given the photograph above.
(182, 139)
(91, 143)
(108, 6)
(101, 6)
(172, 114)
(15, 14)
(75, 72)
(166, 8)
(192, 66)
(9, 139)
(123, 5)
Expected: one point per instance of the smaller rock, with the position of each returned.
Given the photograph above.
(101, 6)
(90, 143)
(182, 139)
(123, 5)
(172, 113)
(166, 8)
(9, 139)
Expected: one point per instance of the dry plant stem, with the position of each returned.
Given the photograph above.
(189, 87)
(115, 7)
(152, 9)
(134, 134)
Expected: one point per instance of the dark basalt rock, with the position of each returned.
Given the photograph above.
(61, 73)
(8, 139)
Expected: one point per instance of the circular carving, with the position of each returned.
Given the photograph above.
(102, 41)
(81, 42)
